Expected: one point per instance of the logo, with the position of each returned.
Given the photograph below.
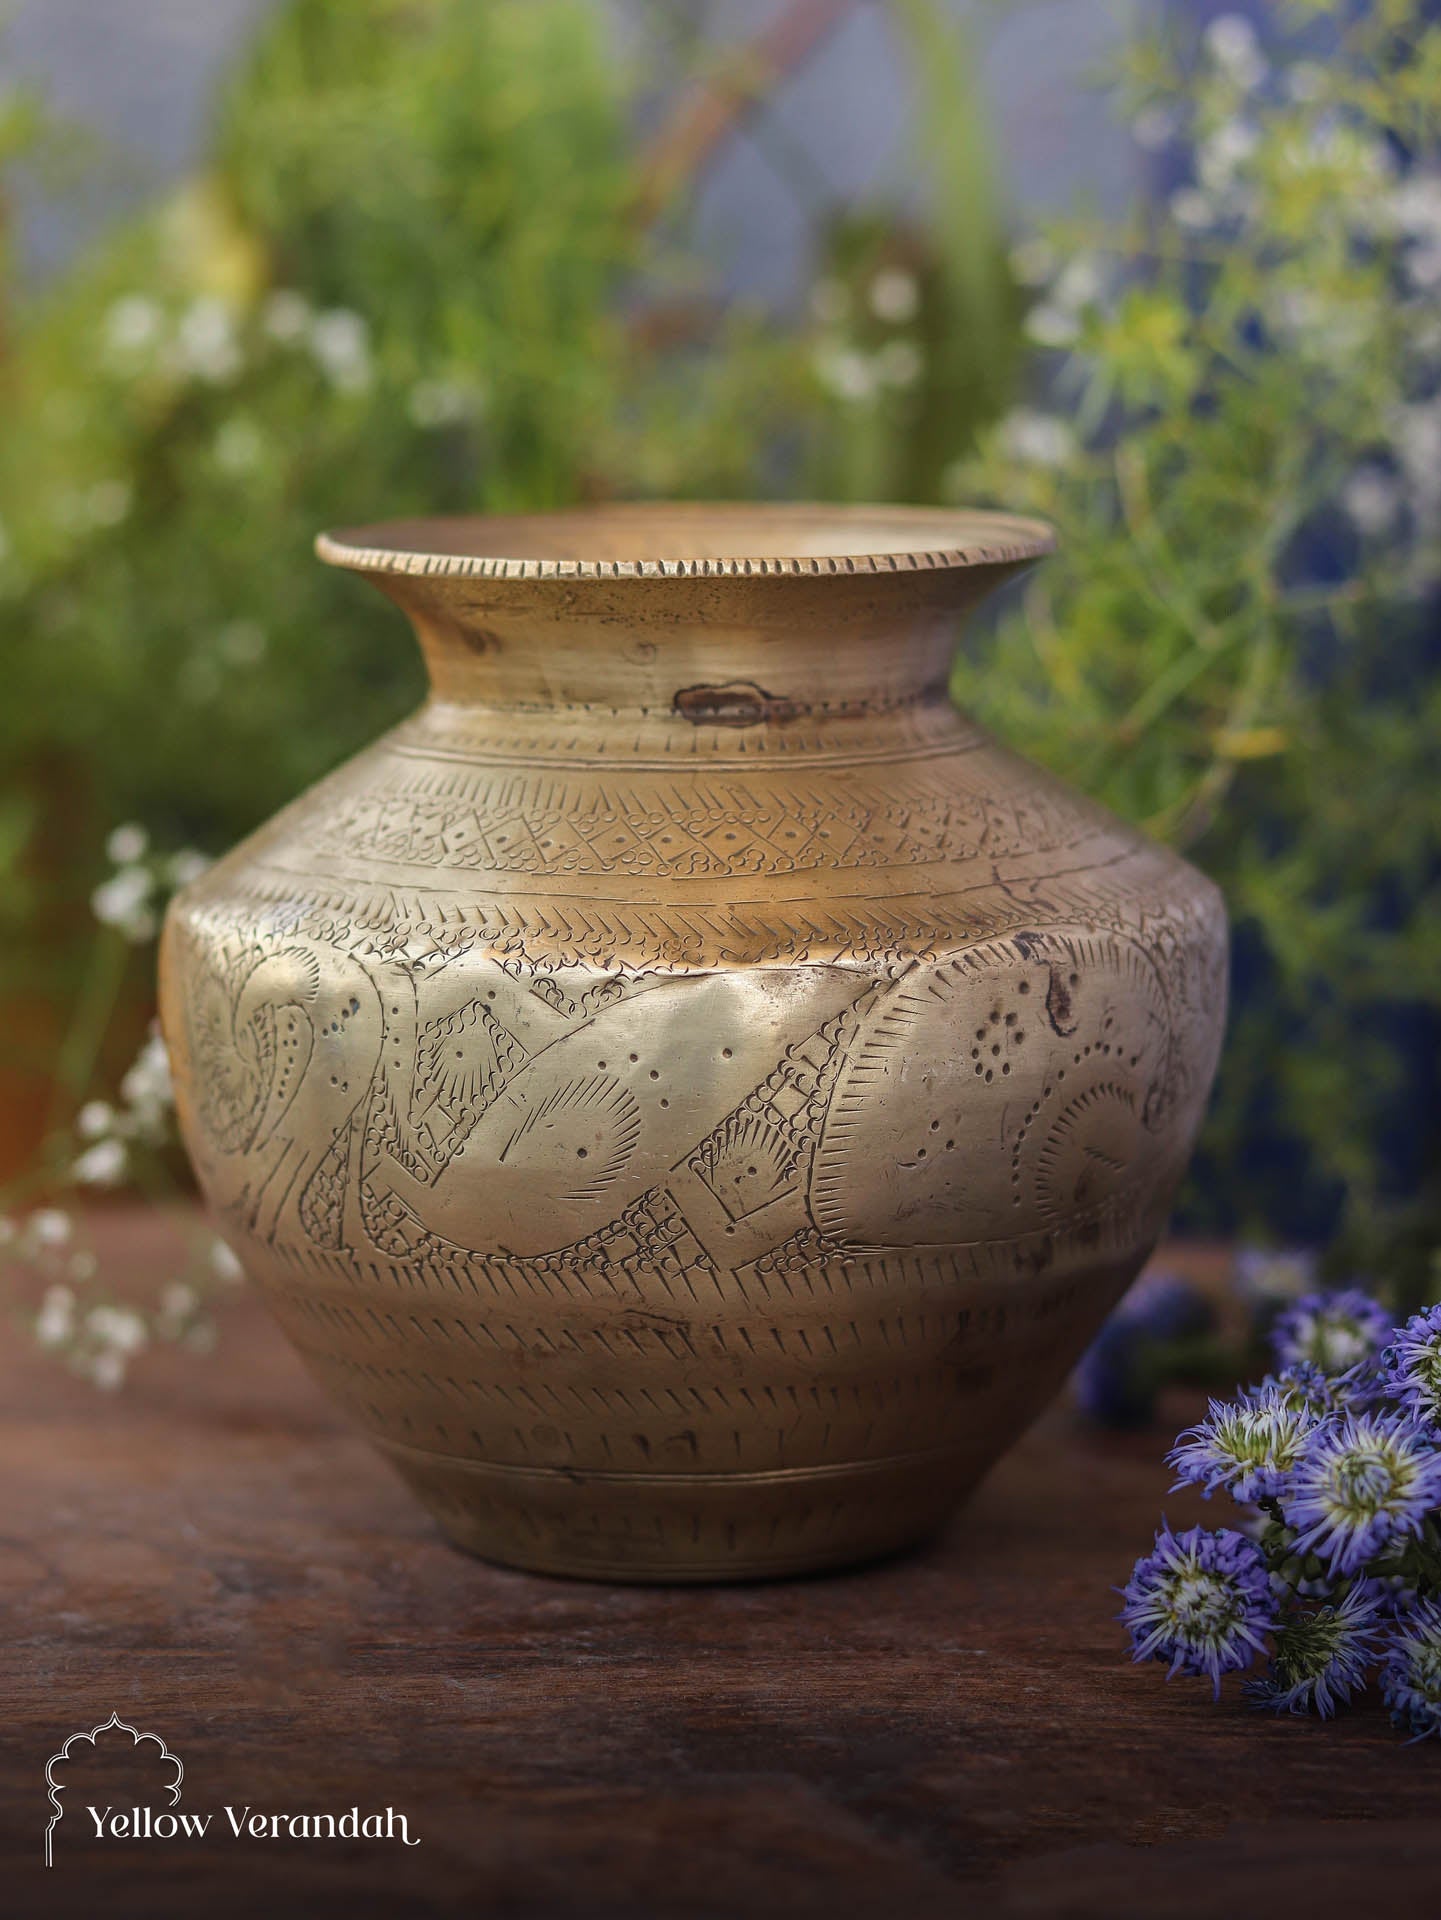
(57, 1787)
(148, 1822)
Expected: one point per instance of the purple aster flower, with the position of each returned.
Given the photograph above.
(1307, 1385)
(1322, 1657)
(1413, 1366)
(1247, 1446)
(1266, 1276)
(1200, 1600)
(1411, 1676)
(1361, 1483)
(1335, 1331)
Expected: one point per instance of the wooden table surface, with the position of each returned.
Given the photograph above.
(211, 1555)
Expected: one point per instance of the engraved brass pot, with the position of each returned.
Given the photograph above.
(688, 1093)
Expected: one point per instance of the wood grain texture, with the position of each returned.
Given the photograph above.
(215, 1557)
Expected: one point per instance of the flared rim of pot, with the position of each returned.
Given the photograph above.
(679, 540)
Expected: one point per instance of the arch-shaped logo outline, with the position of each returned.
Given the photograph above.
(136, 1736)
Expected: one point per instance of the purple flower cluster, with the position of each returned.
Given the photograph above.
(1337, 1574)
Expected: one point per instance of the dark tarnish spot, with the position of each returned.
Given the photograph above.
(739, 703)
(481, 639)
(1058, 1002)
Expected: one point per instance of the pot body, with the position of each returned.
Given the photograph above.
(687, 1093)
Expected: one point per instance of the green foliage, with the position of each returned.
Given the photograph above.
(1231, 648)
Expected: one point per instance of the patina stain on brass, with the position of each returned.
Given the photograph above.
(687, 1092)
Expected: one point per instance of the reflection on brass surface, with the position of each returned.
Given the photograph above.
(687, 1092)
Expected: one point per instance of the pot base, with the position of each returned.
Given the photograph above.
(693, 1529)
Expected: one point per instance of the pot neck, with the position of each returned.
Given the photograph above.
(733, 653)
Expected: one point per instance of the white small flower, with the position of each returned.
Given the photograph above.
(107, 1369)
(1039, 439)
(1306, 81)
(49, 1227)
(1079, 284)
(131, 324)
(845, 372)
(186, 866)
(1224, 152)
(286, 316)
(147, 1087)
(1033, 262)
(127, 844)
(1052, 326)
(340, 341)
(1417, 434)
(206, 344)
(1372, 497)
(224, 1265)
(123, 902)
(177, 1303)
(241, 643)
(55, 1321)
(1155, 126)
(895, 296)
(239, 446)
(830, 303)
(899, 363)
(1192, 208)
(102, 1165)
(440, 403)
(1231, 42)
(95, 1118)
(119, 1327)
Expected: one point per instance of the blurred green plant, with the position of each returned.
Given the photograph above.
(1236, 646)
(429, 267)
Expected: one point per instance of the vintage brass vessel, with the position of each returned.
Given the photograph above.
(687, 1092)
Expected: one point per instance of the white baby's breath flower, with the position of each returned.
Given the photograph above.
(1372, 497)
(107, 1369)
(224, 1265)
(830, 303)
(440, 403)
(845, 372)
(95, 1118)
(1232, 43)
(895, 296)
(340, 342)
(1079, 284)
(119, 1327)
(185, 866)
(1306, 81)
(127, 844)
(102, 1165)
(49, 1227)
(123, 902)
(899, 364)
(286, 316)
(55, 1322)
(1052, 326)
(206, 343)
(241, 643)
(1192, 208)
(1156, 126)
(1223, 153)
(239, 446)
(131, 324)
(148, 1092)
(1033, 261)
(1039, 439)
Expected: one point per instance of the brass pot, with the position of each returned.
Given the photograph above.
(688, 1093)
